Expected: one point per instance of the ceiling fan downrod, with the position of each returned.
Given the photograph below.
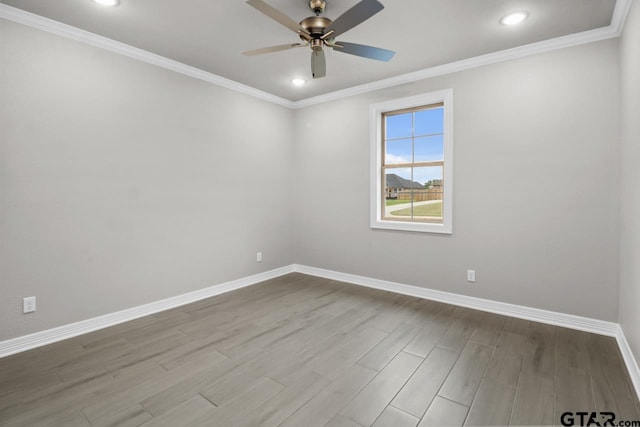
(317, 6)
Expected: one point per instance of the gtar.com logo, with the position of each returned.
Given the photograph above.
(595, 419)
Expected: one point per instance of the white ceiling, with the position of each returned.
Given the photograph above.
(210, 34)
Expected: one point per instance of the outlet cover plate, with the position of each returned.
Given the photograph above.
(29, 305)
(471, 276)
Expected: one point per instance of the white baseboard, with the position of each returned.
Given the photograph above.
(528, 313)
(38, 339)
(543, 316)
(629, 360)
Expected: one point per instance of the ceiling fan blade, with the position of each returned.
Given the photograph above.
(275, 14)
(363, 50)
(272, 49)
(318, 64)
(355, 16)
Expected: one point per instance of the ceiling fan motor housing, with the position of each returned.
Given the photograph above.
(315, 25)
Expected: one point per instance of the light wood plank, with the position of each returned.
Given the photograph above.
(133, 416)
(488, 331)
(572, 391)
(504, 367)
(183, 414)
(276, 410)
(430, 335)
(444, 413)
(331, 364)
(492, 405)
(539, 355)
(571, 349)
(392, 417)
(456, 337)
(378, 357)
(418, 393)
(231, 412)
(462, 383)
(375, 396)
(327, 403)
(534, 401)
(340, 421)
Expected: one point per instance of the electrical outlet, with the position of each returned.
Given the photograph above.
(29, 305)
(259, 257)
(471, 276)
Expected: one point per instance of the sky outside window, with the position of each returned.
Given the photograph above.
(416, 137)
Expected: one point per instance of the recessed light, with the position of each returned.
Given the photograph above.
(514, 18)
(298, 81)
(107, 3)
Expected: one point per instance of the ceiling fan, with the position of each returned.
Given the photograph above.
(318, 31)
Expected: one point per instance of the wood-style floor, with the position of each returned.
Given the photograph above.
(304, 351)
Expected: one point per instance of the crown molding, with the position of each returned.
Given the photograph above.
(614, 30)
(54, 27)
(619, 16)
(467, 64)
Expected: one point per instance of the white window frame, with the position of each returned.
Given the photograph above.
(376, 113)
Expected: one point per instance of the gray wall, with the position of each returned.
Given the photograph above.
(536, 205)
(123, 183)
(630, 180)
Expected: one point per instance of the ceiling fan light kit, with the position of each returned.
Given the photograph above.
(318, 32)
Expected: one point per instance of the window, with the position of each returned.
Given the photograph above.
(411, 163)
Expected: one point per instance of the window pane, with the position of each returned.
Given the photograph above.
(398, 191)
(428, 148)
(429, 121)
(427, 202)
(399, 126)
(397, 151)
(414, 194)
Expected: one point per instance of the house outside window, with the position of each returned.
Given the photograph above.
(412, 163)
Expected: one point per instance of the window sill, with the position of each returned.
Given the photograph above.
(412, 226)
